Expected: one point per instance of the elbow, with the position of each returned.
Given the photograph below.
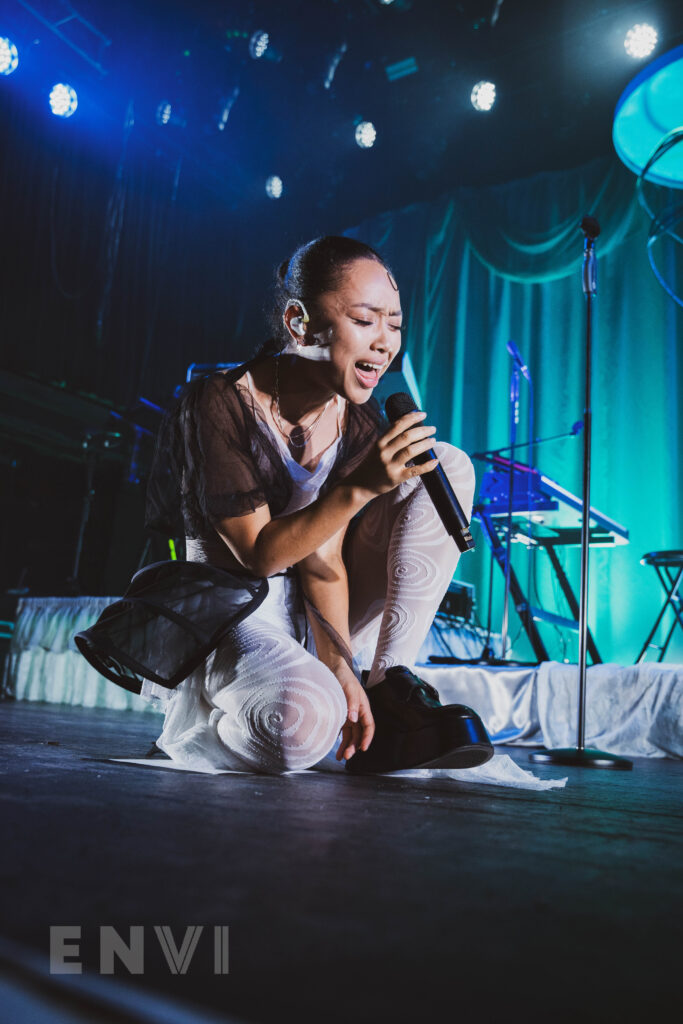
(264, 562)
(328, 568)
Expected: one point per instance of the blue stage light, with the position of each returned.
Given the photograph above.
(483, 96)
(366, 133)
(640, 41)
(274, 187)
(63, 100)
(258, 44)
(164, 111)
(9, 58)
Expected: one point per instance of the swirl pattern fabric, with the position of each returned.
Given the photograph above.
(262, 702)
(400, 563)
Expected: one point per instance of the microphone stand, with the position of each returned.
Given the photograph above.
(580, 755)
(484, 456)
(514, 420)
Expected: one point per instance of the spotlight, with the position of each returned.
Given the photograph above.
(164, 111)
(9, 58)
(274, 187)
(258, 44)
(63, 100)
(366, 133)
(167, 113)
(483, 95)
(640, 41)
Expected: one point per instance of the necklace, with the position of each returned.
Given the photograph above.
(300, 436)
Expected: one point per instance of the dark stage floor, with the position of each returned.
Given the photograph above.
(346, 899)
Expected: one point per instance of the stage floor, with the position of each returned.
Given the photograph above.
(346, 899)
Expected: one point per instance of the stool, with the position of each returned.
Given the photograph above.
(669, 567)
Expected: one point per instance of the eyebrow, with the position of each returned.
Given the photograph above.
(376, 309)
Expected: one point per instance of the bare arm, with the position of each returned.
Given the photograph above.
(325, 582)
(266, 546)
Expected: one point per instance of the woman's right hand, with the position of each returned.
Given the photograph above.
(384, 467)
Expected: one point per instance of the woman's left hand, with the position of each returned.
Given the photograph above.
(359, 727)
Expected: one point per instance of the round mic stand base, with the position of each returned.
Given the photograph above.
(584, 758)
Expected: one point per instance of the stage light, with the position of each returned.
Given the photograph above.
(258, 44)
(167, 113)
(640, 41)
(274, 187)
(366, 133)
(483, 95)
(9, 58)
(63, 100)
(164, 111)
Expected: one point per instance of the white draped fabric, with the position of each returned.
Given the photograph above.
(43, 663)
(635, 711)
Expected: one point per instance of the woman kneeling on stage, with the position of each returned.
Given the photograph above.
(288, 472)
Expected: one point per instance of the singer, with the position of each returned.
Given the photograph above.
(285, 469)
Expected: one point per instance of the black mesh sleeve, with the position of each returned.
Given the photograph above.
(208, 461)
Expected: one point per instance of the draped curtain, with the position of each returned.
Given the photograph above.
(483, 265)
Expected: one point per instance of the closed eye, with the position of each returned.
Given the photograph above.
(369, 323)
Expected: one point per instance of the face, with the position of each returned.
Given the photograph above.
(359, 323)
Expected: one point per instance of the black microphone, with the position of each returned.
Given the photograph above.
(517, 359)
(589, 273)
(436, 482)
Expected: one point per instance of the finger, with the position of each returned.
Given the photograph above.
(409, 437)
(346, 735)
(413, 450)
(420, 470)
(368, 728)
(349, 751)
(411, 419)
(351, 735)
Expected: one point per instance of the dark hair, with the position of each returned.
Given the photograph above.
(314, 268)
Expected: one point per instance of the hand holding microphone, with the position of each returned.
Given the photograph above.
(385, 466)
(436, 482)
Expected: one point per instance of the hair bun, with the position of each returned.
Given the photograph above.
(282, 271)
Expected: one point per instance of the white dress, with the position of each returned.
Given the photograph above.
(263, 701)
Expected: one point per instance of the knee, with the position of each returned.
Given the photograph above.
(284, 724)
(454, 460)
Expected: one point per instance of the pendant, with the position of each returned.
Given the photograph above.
(297, 437)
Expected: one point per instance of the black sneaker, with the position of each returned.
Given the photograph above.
(413, 729)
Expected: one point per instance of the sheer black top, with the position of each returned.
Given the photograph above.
(213, 461)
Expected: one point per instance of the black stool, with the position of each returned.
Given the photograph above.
(669, 567)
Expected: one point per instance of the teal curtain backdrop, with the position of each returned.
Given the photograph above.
(482, 265)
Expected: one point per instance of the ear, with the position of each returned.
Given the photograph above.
(295, 317)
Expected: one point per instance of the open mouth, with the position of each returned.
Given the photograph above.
(367, 374)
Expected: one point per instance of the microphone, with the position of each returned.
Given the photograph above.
(517, 359)
(589, 272)
(436, 482)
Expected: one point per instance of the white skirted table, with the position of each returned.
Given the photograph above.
(43, 663)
